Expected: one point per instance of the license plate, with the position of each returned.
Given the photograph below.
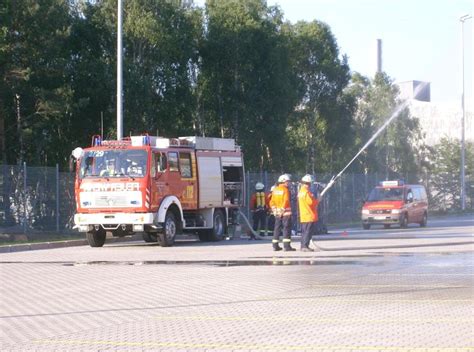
(380, 218)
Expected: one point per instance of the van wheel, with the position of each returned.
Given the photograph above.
(218, 231)
(170, 230)
(424, 221)
(150, 237)
(96, 238)
(366, 226)
(404, 221)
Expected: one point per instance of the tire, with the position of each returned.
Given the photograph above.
(404, 221)
(218, 231)
(96, 238)
(386, 226)
(366, 226)
(170, 229)
(150, 237)
(424, 221)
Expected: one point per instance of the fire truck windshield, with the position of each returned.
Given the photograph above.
(380, 194)
(113, 163)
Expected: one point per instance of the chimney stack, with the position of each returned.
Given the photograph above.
(379, 55)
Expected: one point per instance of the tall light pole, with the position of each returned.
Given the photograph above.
(463, 179)
(119, 72)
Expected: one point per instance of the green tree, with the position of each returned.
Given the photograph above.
(444, 173)
(91, 74)
(396, 153)
(322, 120)
(33, 88)
(246, 87)
(161, 63)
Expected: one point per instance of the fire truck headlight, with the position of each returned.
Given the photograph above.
(365, 211)
(395, 211)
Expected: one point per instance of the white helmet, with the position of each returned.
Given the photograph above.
(307, 178)
(259, 186)
(284, 178)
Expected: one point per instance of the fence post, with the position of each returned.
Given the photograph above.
(57, 198)
(25, 227)
(248, 194)
(354, 212)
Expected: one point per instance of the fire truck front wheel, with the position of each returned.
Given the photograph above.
(96, 238)
(170, 229)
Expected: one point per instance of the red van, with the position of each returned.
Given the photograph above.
(393, 202)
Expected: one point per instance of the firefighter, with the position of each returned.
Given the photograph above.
(109, 168)
(270, 216)
(281, 208)
(258, 206)
(308, 212)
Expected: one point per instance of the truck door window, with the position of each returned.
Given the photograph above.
(173, 161)
(160, 162)
(416, 194)
(185, 165)
(409, 196)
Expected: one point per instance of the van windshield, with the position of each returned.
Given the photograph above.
(379, 194)
(113, 163)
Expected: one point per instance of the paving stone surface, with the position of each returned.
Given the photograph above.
(395, 290)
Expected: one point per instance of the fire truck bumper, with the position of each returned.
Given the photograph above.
(83, 222)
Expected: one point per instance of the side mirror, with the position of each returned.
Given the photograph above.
(72, 164)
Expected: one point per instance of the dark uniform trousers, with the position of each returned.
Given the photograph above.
(307, 229)
(259, 219)
(282, 223)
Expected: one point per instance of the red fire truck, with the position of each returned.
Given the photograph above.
(159, 186)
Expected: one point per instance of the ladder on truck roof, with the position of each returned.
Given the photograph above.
(199, 143)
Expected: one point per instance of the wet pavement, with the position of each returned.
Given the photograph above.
(395, 290)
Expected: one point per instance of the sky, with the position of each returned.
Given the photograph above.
(421, 39)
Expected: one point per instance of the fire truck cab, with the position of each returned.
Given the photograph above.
(159, 186)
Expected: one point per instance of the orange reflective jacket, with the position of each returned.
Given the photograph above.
(307, 205)
(281, 200)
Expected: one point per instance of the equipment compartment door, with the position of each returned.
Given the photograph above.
(210, 181)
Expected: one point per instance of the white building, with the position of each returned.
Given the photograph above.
(437, 120)
(442, 120)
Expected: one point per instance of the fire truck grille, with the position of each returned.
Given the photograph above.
(112, 201)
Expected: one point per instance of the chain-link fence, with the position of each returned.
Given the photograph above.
(343, 202)
(35, 200)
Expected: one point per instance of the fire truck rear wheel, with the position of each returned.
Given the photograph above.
(218, 231)
(96, 238)
(170, 229)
